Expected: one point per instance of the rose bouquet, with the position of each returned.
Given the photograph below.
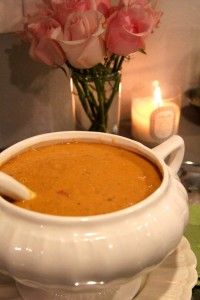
(92, 38)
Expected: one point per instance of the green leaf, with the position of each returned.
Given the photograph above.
(142, 50)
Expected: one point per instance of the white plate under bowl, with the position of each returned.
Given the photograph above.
(172, 280)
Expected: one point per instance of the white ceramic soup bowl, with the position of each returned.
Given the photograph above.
(96, 257)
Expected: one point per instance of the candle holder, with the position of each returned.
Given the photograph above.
(155, 116)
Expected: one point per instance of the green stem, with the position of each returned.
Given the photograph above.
(120, 63)
(89, 96)
(82, 98)
(115, 63)
(114, 91)
(110, 60)
(91, 88)
(101, 99)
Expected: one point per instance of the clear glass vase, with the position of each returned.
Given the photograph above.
(96, 101)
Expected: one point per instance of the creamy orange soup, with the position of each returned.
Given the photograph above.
(82, 179)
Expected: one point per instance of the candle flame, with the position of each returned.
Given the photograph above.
(157, 95)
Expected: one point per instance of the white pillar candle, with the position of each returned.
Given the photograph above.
(154, 119)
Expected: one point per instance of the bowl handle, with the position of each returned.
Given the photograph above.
(173, 149)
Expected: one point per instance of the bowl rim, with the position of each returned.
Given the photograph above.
(107, 138)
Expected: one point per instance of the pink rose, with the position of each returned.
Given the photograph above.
(43, 27)
(47, 51)
(41, 33)
(149, 6)
(103, 6)
(63, 8)
(82, 40)
(128, 26)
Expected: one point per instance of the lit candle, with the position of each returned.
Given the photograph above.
(154, 119)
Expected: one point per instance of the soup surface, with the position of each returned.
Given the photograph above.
(82, 179)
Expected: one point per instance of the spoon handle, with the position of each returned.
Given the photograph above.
(14, 189)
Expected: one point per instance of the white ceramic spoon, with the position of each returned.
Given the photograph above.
(13, 189)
